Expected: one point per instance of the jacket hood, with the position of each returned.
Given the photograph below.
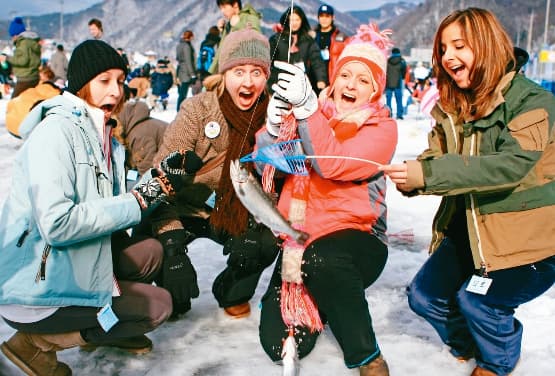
(248, 9)
(132, 114)
(60, 104)
(28, 35)
(394, 59)
(522, 58)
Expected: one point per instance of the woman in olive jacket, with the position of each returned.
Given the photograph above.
(492, 158)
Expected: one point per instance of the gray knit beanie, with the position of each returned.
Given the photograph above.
(242, 47)
(88, 60)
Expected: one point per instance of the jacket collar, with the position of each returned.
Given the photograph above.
(498, 94)
(498, 98)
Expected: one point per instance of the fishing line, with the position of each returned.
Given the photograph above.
(273, 54)
(290, 34)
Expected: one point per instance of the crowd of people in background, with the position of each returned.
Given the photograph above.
(189, 67)
(168, 184)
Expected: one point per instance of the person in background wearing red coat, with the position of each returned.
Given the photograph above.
(340, 204)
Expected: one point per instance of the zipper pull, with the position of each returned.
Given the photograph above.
(43, 270)
(483, 271)
(22, 238)
(41, 274)
(98, 174)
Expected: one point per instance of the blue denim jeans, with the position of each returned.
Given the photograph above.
(473, 324)
(398, 100)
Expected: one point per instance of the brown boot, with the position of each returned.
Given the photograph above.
(238, 311)
(133, 345)
(464, 358)
(479, 371)
(377, 367)
(35, 354)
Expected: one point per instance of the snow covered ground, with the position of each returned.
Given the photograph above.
(205, 342)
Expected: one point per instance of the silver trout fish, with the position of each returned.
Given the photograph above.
(259, 204)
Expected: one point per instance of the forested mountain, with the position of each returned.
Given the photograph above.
(140, 25)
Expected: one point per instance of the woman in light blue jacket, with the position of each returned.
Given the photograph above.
(69, 274)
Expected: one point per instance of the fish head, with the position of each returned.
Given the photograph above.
(238, 172)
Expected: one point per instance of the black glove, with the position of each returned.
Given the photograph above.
(179, 166)
(181, 163)
(150, 193)
(252, 251)
(178, 274)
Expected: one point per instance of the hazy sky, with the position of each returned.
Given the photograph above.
(11, 8)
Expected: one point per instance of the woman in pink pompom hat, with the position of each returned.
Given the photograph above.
(340, 204)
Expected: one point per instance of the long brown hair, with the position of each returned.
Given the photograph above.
(493, 57)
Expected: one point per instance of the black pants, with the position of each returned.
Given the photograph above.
(141, 308)
(182, 90)
(337, 269)
(231, 286)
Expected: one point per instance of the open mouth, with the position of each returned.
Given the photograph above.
(348, 98)
(107, 107)
(246, 95)
(457, 70)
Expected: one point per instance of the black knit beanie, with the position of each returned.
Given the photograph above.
(88, 60)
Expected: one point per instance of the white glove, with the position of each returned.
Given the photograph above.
(277, 107)
(292, 84)
(308, 108)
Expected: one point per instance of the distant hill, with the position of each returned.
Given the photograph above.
(417, 27)
(140, 25)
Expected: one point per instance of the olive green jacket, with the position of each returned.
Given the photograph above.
(248, 18)
(26, 58)
(504, 165)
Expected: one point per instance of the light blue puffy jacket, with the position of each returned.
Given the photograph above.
(55, 225)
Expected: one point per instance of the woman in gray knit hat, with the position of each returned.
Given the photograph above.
(68, 276)
(219, 125)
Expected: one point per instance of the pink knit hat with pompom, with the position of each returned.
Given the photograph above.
(369, 46)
